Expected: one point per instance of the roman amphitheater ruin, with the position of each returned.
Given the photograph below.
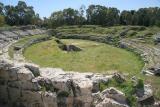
(24, 84)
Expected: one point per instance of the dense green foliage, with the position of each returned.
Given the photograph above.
(105, 16)
(21, 14)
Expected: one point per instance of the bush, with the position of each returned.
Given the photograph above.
(140, 84)
(102, 86)
(131, 100)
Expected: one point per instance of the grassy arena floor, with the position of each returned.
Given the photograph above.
(94, 57)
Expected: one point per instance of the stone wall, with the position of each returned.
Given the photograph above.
(11, 34)
(27, 85)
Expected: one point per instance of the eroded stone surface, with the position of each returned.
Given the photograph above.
(111, 97)
(47, 89)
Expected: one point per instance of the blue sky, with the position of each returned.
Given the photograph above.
(46, 7)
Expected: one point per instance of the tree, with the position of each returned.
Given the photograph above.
(112, 16)
(36, 20)
(68, 16)
(56, 19)
(21, 14)
(101, 15)
(126, 18)
(81, 19)
(10, 15)
(1, 8)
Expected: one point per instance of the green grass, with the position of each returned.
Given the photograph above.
(22, 42)
(146, 33)
(90, 29)
(94, 57)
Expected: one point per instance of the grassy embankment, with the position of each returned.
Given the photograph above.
(22, 42)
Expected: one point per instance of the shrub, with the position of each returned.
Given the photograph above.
(102, 86)
(140, 84)
(131, 100)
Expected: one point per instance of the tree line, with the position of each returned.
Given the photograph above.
(106, 16)
(21, 14)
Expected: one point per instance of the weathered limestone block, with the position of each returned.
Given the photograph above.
(4, 74)
(97, 79)
(97, 98)
(57, 77)
(155, 70)
(119, 78)
(24, 74)
(51, 72)
(114, 94)
(82, 86)
(62, 84)
(7, 70)
(110, 97)
(107, 102)
(38, 99)
(32, 99)
(3, 94)
(33, 68)
(85, 100)
(157, 38)
(145, 93)
(14, 94)
(21, 33)
(49, 99)
(24, 85)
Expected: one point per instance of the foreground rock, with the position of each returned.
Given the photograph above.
(110, 97)
(119, 78)
(145, 95)
(27, 85)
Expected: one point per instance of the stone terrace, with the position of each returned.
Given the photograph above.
(10, 35)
